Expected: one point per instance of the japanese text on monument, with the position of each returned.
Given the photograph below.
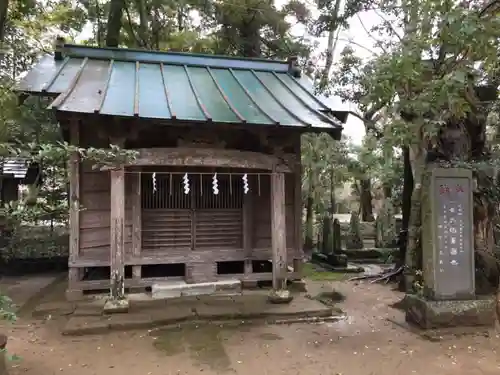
(453, 233)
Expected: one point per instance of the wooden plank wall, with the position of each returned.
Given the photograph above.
(261, 224)
(95, 202)
(95, 196)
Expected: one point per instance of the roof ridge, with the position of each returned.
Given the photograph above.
(178, 58)
(142, 50)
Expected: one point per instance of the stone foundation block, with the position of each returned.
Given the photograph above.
(249, 284)
(430, 314)
(299, 286)
(280, 296)
(198, 289)
(167, 289)
(228, 285)
(116, 306)
(181, 289)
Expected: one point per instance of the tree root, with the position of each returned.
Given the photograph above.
(386, 276)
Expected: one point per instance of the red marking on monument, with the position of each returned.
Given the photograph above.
(444, 189)
(459, 189)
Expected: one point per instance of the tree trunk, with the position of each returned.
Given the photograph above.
(3, 355)
(250, 39)
(366, 200)
(155, 29)
(308, 238)
(330, 49)
(180, 19)
(387, 189)
(413, 254)
(406, 208)
(4, 6)
(459, 140)
(143, 23)
(333, 201)
(114, 23)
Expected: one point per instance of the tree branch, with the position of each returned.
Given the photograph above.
(131, 25)
(349, 40)
(489, 7)
(389, 25)
(370, 34)
(369, 121)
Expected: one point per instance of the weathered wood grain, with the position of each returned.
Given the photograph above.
(278, 230)
(207, 157)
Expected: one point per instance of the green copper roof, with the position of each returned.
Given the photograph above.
(186, 87)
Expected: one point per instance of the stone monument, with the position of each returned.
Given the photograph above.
(448, 297)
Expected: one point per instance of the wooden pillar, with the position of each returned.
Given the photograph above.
(278, 230)
(136, 222)
(74, 273)
(117, 232)
(297, 201)
(248, 231)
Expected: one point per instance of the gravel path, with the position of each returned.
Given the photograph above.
(367, 343)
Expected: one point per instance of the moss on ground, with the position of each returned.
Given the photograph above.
(316, 273)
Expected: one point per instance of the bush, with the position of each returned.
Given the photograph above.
(34, 242)
(385, 227)
(354, 240)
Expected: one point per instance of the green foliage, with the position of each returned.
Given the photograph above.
(354, 239)
(336, 237)
(455, 40)
(326, 245)
(385, 227)
(331, 238)
(325, 164)
(7, 309)
(316, 273)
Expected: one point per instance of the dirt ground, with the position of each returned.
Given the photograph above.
(366, 343)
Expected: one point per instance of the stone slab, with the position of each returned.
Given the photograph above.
(280, 296)
(202, 309)
(93, 307)
(198, 290)
(429, 314)
(228, 285)
(167, 289)
(86, 325)
(116, 306)
(53, 308)
(245, 284)
(181, 289)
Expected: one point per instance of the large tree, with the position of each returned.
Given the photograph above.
(4, 6)
(436, 74)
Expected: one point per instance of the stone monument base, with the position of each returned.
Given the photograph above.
(430, 314)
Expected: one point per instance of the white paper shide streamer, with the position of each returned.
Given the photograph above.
(246, 189)
(215, 184)
(153, 178)
(185, 183)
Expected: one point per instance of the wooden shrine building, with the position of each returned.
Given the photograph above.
(15, 171)
(215, 191)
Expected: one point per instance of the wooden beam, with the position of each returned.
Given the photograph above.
(211, 157)
(74, 211)
(278, 230)
(248, 230)
(193, 219)
(117, 233)
(117, 223)
(136, 222)
(247, 223)
(297, 202)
